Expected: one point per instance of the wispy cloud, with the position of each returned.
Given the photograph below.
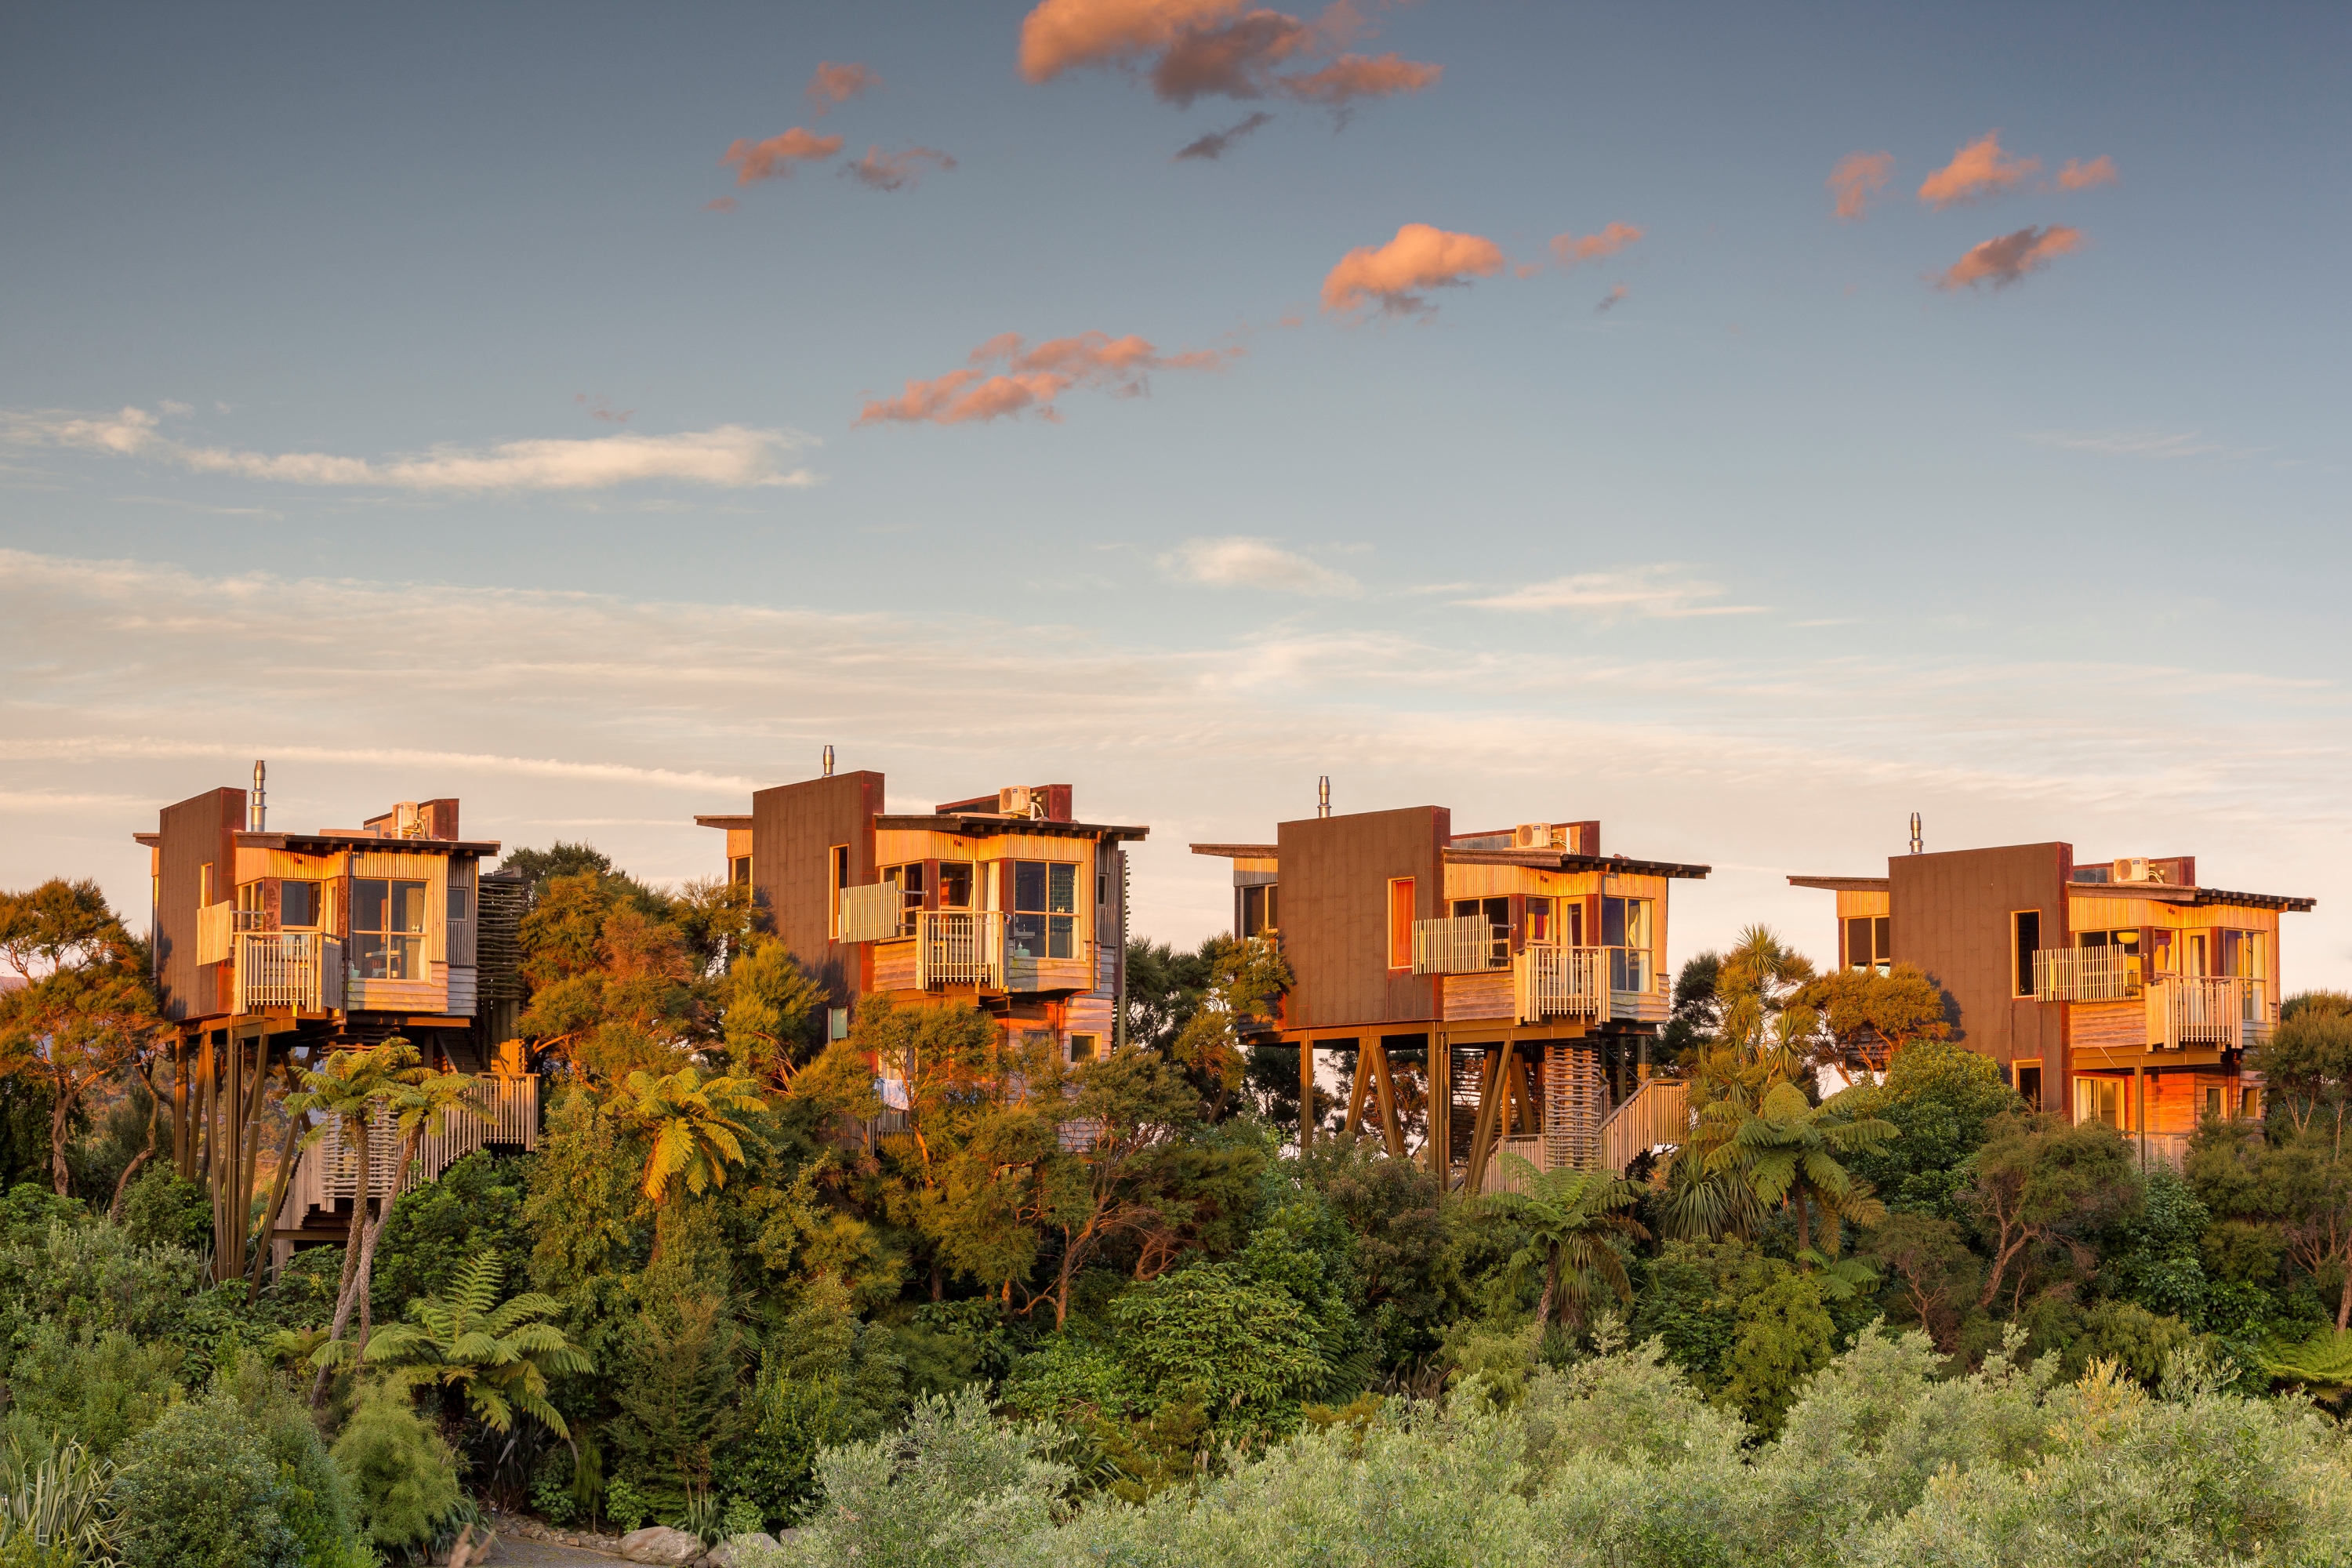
(1394, 276)
(600, 408)
(2077, 175)
(1574, 250)
(833, 85)
(731, 457)
(1977, 171)
(777, 157)
(2139, 443)
(1006, 378)
(883, 171)
(1238, 560)
(1858, 178)
(1661, 592)
(1190, 49)
(2007, 259)
(1213, 143)
(1611, 300)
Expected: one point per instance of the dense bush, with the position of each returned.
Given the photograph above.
(404, 1474)
(199, 1489)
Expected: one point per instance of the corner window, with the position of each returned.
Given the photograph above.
(387, 929)
(1259, 916)
(1870, 942)
(1045, 918)
(910, 881)
(2025, 931)
(738, 869)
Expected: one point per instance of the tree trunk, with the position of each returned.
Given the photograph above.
(294, 1132)
(361, 1285)
(351, 1259)
(1551, 1290)
(2344, 1301)
(61, 1120)
(1804, 1221)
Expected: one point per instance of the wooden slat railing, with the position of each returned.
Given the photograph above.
(955, 947)
(1462, 945)
(2085, 975)
(871, 914)
(1657, 1115)
(295, 969)
(329, 1170)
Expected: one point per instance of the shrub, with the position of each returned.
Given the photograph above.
(54, 1509)
(159, 1209)
(197, 1491)
(625, 1506)
(404, 1473)
(103, 1388)
(95, 1277)
(320, 1506)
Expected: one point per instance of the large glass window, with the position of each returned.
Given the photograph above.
(1497, 912)
(301, 904)
(2025, 929)
(1625, 933)
(1541, 930)
(1043, 922)
(387, 929)
(955, 884)
(1400, 923)
(2100, 1100)
(1870, 942)
(1259, 914)
(910, 881)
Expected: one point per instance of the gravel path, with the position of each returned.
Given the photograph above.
(515, 1553)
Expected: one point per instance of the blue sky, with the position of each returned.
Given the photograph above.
(1781, 545)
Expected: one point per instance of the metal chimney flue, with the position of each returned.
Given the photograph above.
(1323, 795)
(828, 762)
(1915, 833)
(256, 805)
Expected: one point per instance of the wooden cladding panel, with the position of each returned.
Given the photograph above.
(894, 967)
(1951, 917)
(1499, 881)
(197, 832)
(2108, 1026)
(793, 829)
(1335, 913)
(1483, 995)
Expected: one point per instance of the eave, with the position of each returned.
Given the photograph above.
(333, 843)
(1239, 851)
(1841, 884)
(1559, 860)
(972, 825)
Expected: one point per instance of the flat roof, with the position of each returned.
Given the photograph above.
(345, 838)
(990, 825)
(2156, 892)
(1560, 860)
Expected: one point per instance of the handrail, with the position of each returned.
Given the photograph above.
(873, 913)
(1657, 1113)
(286, 969)
(2085, 975)
(959, 947)
(1560, 982)
(1462, 944)
(2228, 1011)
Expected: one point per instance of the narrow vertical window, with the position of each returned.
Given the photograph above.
(1882, 939)
(840, 877)
(2026, 925)
(1400, 923)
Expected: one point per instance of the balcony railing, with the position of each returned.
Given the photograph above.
(873, 913)
(1464, 944)
(2085, 975)
(1562, 982)
(329, 1170)
(300, 970)
(2227, 1011)
(956, 947)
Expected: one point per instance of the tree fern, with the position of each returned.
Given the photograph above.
(499, 1354)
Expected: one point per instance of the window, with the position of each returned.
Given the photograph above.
(1400, 923)
(910, 881)
(1258, 911)
(387, 929)
(1542, 930)
(252, 907)
(301, 904)
(840, 859)
(2197, 953)
(1045, 918)
(2249, 1104)
(2099, 1099)
(2028, 1084)
(2127, 940)
(2213, 1102)
(1870, 942)
(955, 884)
(1498, 923)
(2025, 927)
(2160, 951)
(459, 901)
(739, 868)
(2240, 953)
(1625, 932)
(1083, 1047)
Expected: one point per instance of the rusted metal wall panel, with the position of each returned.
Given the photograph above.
(197, 832)
(1951, 914)
(1335, 893)
(793, 829)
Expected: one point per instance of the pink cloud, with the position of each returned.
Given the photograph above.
(1029, 380)
(833, 85)
(1420, 257)
(719, 204)
(1858, 177)
(1572, 251)
(889, 171)
(1204, 49)
(2009, 258)
(775, 158)
(2077, 175)
(1977, 171)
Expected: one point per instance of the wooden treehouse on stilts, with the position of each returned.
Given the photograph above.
(1468, 994)
(273, 949)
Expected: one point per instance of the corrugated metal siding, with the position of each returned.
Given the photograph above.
(196, 831)
(463, 996)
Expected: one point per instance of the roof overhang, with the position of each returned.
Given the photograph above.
(1240, 851)
(703, 819)
(1559, 860)
(974, 825)
(2195, 898)
(1841, 884)
(331, 842)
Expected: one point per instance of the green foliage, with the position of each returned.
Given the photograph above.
(2154, 1261)
(93, 1277)
(1873, 1016)
(677, 1394)
(404, 1474)
(437, 1227)
(954, 1488)
(317, 1501)
(625, 1506)
(55, 1508)
(161, 1210)
(1245, 1349)
(103, 1388)
(1573, 1223)
(1941, 1099)
(769, 1009)
(825, 1379)
(199, 1489)
(1747, 1328)
(497, 1355)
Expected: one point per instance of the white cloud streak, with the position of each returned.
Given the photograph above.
(1649, 591)
(730, 457)
(1240, 561)
(2139, 443)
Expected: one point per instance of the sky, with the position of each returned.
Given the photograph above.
(1744, 425)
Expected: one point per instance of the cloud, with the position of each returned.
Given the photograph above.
(177, 410)
(719, 204)
(599, 407)
(1192, 50)
(1610, 300)
(883, 171)
(1569, 250)
(1006, 378)
(730, 457)
(775, 158)
(2077, 175)
(1858, 177)
(1240, 561)
(2139, 443)
(1420, 257)
(1656, 592)
(1213, 143)
(1977, 171)
(835, 85)
(2009, 258)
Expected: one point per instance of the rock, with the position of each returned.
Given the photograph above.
(739, 1550)
(659, 1543)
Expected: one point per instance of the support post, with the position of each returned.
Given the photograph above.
(1390, 1132)
(1481, 1135)
(1358, 1083)
(1438, 1068)
(1306, 1091)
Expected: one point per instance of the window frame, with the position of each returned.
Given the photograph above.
(1402, 911)
(2020, 979)
(385, 933)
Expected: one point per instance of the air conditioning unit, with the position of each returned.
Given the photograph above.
(1021, 800)
(2135, 869)
(1533, 836)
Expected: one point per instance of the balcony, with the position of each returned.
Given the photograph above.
(2085, 975)
(1562, 982)
(956, 947)
(327, 1168)
(295, 970)
(2225, 1012)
